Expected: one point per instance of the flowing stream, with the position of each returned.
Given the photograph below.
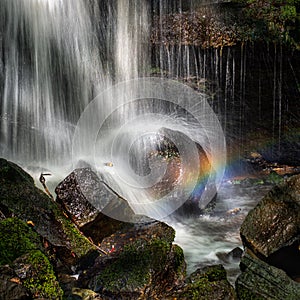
(207, 239)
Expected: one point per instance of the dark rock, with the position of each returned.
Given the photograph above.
(141, 260)
(10, 287)
(259, 280)
(275, 222)
(20, 197)
(270, 234)
(233, 255)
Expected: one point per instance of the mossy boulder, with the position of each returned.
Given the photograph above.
(141, 262)
(37, 275)
(17, 238)
(20, 197)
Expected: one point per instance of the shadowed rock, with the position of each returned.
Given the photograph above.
(259, 280)
(20, 197)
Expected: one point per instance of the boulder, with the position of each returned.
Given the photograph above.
(270, 233)
(141, 261)
(271, 229)
(21, 198)
(89, 202)
(260, 280)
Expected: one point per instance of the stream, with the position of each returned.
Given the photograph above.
(206, 238)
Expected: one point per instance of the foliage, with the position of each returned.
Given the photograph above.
(273, 20)
(227, 24)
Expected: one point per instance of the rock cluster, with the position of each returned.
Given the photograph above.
(68, 249)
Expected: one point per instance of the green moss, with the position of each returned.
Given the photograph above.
(42, 282)
(134, 267)
(17, 238)
(13, 172)
(200, 289)
(79, 243)
(215, 273)
(179, 262)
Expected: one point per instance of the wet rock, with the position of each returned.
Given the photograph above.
(270, 234)
(275, 222)
(141, 262)
(259, 280)
(20, 197)
(90, 202)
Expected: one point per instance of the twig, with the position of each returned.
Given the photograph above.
(43, 182)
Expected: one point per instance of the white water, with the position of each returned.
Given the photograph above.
(204, 237)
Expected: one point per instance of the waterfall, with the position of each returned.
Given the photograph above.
(50, 66)
(73, 89)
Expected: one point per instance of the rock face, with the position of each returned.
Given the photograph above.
(271, 233)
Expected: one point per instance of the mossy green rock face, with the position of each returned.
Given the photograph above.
(18, 195)
(262, 281)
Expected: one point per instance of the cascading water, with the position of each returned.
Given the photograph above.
(54, 63)
(49, 69)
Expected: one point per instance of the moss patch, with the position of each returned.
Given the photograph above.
(17, 238)
(42, 280)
